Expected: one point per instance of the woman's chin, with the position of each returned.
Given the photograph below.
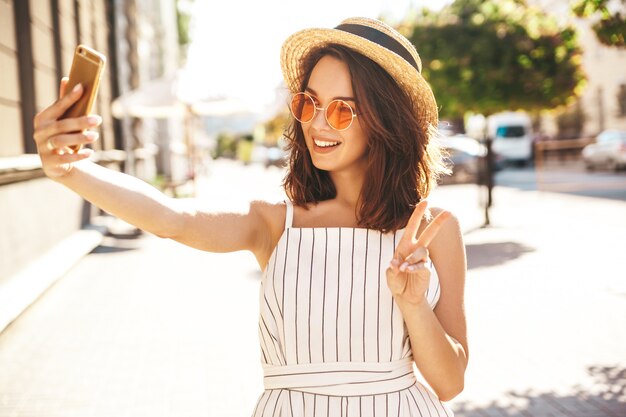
(323, 165)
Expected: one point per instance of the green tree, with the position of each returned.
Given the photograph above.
(488, 56)
(611, 26)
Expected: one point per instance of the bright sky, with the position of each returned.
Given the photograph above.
(235, 48)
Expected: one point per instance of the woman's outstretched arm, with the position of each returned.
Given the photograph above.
(135, 201)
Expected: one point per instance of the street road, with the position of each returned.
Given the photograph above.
(569, 177)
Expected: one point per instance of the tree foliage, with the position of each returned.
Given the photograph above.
(489, 56)
(611, 26)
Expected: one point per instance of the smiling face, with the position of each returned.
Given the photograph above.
(386, 153)
(332, 150)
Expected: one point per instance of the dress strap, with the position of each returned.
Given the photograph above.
(289, 215)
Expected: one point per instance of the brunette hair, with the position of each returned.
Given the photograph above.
(404, 162)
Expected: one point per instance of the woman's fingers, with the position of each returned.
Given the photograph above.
(411, 241)
(61, 142)
(418, 255)
(432, 229)
(63, 159)
(416, 267)
(63, 85)
(412, 282)
(57, 109)
(413, 224)
(395, 281)
(408, 275)
(58, 127)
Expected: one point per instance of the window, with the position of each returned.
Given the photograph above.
(510, 131)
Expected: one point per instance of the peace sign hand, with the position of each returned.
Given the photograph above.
(408, 276)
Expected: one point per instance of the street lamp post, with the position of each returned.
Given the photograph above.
(489, 168)
(478, 125)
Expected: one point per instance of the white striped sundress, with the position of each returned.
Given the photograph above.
(333, 342)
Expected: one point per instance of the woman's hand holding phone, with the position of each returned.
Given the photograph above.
(57, 138)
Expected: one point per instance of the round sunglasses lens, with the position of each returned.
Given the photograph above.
(302, 107)
(339, 115)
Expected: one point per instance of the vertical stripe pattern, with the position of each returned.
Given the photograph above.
(324, 298)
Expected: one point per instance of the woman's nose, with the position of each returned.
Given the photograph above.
(319, 120)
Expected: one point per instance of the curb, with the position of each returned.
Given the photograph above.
(26, 286)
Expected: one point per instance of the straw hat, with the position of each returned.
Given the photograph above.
(377, 41)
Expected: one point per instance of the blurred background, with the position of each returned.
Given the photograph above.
(99, 318)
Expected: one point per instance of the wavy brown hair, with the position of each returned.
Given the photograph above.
(404, 160)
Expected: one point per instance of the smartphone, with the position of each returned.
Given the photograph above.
(87, 67)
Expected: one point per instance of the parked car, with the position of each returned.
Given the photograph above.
(465, 155)
(608, 151)
(512, 136)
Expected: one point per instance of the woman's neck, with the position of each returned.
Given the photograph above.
(348, 185)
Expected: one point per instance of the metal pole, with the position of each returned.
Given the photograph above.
(489, 165)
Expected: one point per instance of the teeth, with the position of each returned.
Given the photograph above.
(324, 144)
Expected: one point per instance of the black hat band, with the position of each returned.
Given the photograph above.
(380, 38)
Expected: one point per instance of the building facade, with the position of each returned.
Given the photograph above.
(602, 104)
(604, 100)
(39, 217)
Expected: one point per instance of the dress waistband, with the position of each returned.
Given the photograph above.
(341, 378)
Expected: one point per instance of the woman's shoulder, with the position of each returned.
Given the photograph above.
(432, 212)
(450, 229)
(272, 213)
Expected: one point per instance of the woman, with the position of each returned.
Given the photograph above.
(360, 280)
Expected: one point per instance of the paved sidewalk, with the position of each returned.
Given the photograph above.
(546, 304)
(147, 327)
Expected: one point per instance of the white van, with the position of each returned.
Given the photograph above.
(512, 136)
